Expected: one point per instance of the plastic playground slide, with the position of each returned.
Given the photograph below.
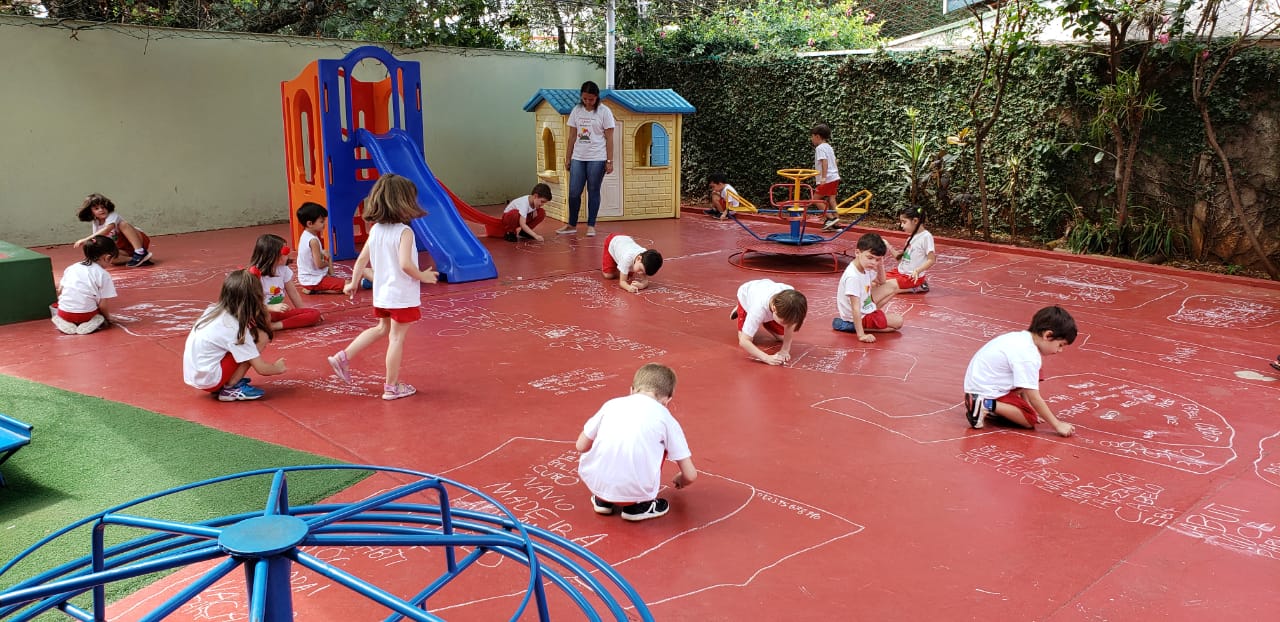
(459, 256)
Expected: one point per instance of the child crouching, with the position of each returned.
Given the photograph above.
(227, 341)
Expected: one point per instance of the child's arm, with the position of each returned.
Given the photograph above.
(747, 344)
(318, 256)
(291, 292)
(687, 473)
(863, 335)
(928, 263)
(784, 353)
(639, 282)
(105, 309)
(524, 225)
(584, 443)
(409, 260)
(363, 260)
(267, 369)
(1042, 408)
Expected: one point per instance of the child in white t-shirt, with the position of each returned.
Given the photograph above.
(270, 262)
(828, 180)
(84, 289)
(629, 262)
(864, 291)
(722, 196)
(228, 340)
(315, 268)
(776, 307)
(1003, 378)
(917, 256)
(625, 443)
(100, 212)
(524, 213)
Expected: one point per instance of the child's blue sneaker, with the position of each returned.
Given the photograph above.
(366, 284)
(239, 392)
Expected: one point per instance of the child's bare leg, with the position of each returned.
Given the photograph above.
(609, 274)
(131, 233)
(884, 292)
(370, 335)
(1013, 414)
(395, 351)
(237, 375)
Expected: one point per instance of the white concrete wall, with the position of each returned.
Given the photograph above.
(182, 129)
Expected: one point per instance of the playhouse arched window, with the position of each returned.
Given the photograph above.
(653, 148)
(549, 160)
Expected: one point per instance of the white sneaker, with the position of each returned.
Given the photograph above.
(66, 327)
(591, 232)
(93, 323)
(566, 230)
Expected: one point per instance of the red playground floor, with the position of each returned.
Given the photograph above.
(843, 486)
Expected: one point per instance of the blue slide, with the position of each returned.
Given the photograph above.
(459, 255)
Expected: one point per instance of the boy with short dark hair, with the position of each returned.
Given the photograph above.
(864, 291)
(722, 196)
(524, 213)
(629, 262)
(624, 443)
(1003, 378)
(776, 307)
(828, 180)
(315, 269)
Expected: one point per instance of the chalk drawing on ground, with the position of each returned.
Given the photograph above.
(331, 334)
(363, 383)
(574, 381)
(151, 277)
(683, 299)
(1079, 285)
(1267, 466)
(160, 318)
(1226, 312)
(1218, 360)
(940, 422)
(867, 361)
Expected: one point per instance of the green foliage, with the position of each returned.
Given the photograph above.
(912, 159)
(765, 27)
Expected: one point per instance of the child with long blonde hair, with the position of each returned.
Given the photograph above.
(270, 262)
(393, 253)
(228, 340)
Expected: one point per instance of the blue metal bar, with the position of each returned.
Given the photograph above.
(359, 586)
(278, 496)
(90, 580)
(347, 511)
(76, 612)
(423, 596)
(196, 587)
(406, 539)
(157, 524)
(259, 577)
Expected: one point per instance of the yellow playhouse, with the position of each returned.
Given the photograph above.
(646, 140)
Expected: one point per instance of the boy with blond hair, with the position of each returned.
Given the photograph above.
(624, 443)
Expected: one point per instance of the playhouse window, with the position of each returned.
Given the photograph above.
(549, 159)
(652, 146)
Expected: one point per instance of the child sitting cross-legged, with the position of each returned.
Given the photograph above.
(624, 445)
(863, 291)
(270, 262)
(315, 268)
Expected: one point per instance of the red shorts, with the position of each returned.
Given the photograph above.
(126, 247)
(904, 280)
(229, 366)
(404, 316)
(827, 190)
(770, 326)
(76, 318)
(875, 320)
(326, 284)
(1013, 398)
(511, 220)
(607, 264)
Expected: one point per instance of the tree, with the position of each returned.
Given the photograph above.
(761, 27)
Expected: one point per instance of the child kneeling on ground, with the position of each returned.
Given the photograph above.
(85, 288)
(629, 262)
(1003, 378)
(625, 442)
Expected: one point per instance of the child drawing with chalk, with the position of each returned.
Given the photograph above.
(1003, 377)
(624, 444)
(392, 251)
(776, 307)
(629, 262)
(227, 342)
(82, 305)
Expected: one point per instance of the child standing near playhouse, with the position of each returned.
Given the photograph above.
(624, 443)
(917, 254)
(525, 213)
(100, 212)
(228, 340)
(270, 262)
(1003, 377)
(722, 196)
(864, 291)
(828, 180)
(392, 250)
(778, 308)
(629, 262)
(315, 268)
(84, 289)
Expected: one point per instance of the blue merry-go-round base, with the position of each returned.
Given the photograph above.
(793, 239)
(268, 542)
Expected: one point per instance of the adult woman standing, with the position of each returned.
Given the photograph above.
(589, 156)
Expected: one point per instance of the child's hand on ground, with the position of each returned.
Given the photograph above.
(678, 480)
(538, 237)
(784, 356)
(1064, 429)
(349, 289)
(773, 359)
(867, 338)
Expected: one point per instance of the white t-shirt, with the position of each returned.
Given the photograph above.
(208, 343)
(917, 252)
(308, 272)
(520, 204)
(630, 436)
(392, 287)
(587, 128)
(624, 250)
(855, 283)
(825, 152)
(728, 199)
(83, 287)
(111, 219)
(273, 286)
(755, 296)
(1010, 361)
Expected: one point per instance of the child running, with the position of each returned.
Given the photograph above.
(101, 213)
(777, 307)
(392, 250)
(228, 340)
(864, 291)
(270, 262)
(917, 254)
(523, 214)
(85, 288)
(315, 268)
(722, 196)
(1003, 378)
(629, 262)
(624, 443)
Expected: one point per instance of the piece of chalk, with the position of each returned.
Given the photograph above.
(519, 278)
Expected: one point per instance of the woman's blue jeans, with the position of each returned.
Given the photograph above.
(589, 175)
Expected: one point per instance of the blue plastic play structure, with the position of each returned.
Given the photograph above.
(342, 132)
(267, 544)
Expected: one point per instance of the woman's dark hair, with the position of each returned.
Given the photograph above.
(589, 88)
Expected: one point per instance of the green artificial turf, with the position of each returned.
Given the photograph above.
(88, 454)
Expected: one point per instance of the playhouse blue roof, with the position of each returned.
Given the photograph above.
(655, 101)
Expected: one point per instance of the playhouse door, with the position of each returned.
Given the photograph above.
(611, 191)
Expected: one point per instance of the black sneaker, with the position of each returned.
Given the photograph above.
(645, 510)
(711, 212)
(924, 287)
(1275, 365)
(733, 315)
(510, 237)
(523, 236)
(139, 258)
(976, 410)
(601, 507)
